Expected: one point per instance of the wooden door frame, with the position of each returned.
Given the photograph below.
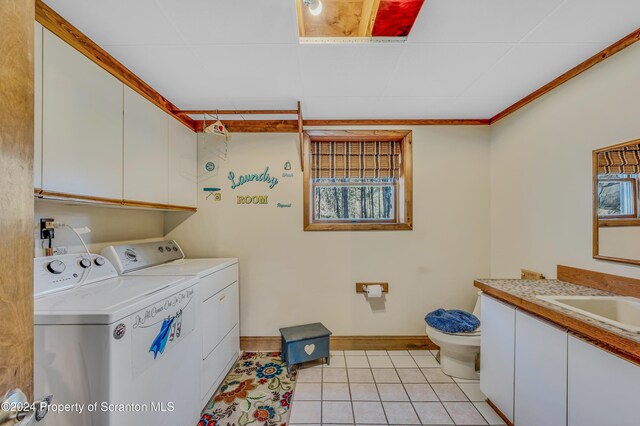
(16, 197)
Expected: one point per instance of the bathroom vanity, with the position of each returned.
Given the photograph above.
(545, 364)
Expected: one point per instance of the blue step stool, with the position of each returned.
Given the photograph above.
(304, 343)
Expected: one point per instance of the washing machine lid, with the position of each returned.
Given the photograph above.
(198, 267)
(110, 300)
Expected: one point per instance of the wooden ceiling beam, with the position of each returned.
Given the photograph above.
(256, 126)
(399, 122)
(238, 111)
(59, 26)
(368, 17)
(573, 72)
(294, 126)
(301, 136)
(301, 31)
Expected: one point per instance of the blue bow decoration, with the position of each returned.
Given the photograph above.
(161, 339)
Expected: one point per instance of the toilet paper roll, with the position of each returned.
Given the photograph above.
(374, 291)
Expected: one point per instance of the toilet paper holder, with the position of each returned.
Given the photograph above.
(361, 287)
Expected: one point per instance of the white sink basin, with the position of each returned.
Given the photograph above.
(621, 311)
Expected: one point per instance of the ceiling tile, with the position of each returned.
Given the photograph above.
(325, 108)
(482, 106)
(478, 21)
(416, 107)
(271, 102)
(527, 67)
(442, 69)
(118, 21)
(258, 71)
(173, 71)
(233, 21)
(231, 54)
(379, 107)
(589, 21)
(347, 69)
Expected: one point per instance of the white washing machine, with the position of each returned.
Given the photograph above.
(218, 295)
(114, 351)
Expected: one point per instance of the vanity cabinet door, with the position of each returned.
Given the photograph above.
(81, 124)
(541, 372)
(603, 389)
(497, 353)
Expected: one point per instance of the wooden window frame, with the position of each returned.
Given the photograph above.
(634, 187)
(598, 222)
(404, 191)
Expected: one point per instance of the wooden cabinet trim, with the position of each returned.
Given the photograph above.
(134, 203)
(109, 201)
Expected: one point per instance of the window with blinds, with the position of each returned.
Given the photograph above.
(357, 180)
(618, 178)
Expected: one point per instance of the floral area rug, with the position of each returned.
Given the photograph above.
(257, 391)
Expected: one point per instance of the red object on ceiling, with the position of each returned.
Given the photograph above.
(395, 18)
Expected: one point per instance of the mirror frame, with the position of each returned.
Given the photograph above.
(596, 238)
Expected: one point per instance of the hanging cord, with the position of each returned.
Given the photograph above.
(86, 249)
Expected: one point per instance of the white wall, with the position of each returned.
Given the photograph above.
(541, 169)
(290, 277)
(108, 225)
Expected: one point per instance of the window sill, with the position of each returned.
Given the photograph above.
(358, 227)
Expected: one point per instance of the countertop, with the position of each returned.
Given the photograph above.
(522, 293)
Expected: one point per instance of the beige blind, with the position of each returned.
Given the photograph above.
(355, 159)
(620, 160)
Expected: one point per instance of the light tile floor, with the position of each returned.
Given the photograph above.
(386, 388)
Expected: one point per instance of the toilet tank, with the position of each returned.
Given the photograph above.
(476, 308)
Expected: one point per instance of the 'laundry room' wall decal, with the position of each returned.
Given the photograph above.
(262, 177)
(255, 199)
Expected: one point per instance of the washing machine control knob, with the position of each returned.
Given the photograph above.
(56, 267)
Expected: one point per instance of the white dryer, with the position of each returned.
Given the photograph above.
(114, 351)
(218, 295)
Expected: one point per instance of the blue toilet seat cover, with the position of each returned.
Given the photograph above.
(452, 321)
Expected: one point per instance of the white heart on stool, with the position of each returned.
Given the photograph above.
(310, 348)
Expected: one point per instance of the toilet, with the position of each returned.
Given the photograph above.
(458, 351)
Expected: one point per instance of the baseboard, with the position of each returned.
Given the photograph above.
(499, 413)
(272, 343)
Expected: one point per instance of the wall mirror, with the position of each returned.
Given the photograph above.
(616, 219)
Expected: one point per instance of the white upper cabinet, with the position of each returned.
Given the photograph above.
(497, 353)
(146, 150)
(37, 106)
(541, 372)
(95, 137)
(82, 124)
(183, 153)
(603, 389)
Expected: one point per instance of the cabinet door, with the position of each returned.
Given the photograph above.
(37, 106)
(497, 353)
(82, 124)
(183, 153)
(541, 372)
(146, 147)
(603, 389)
